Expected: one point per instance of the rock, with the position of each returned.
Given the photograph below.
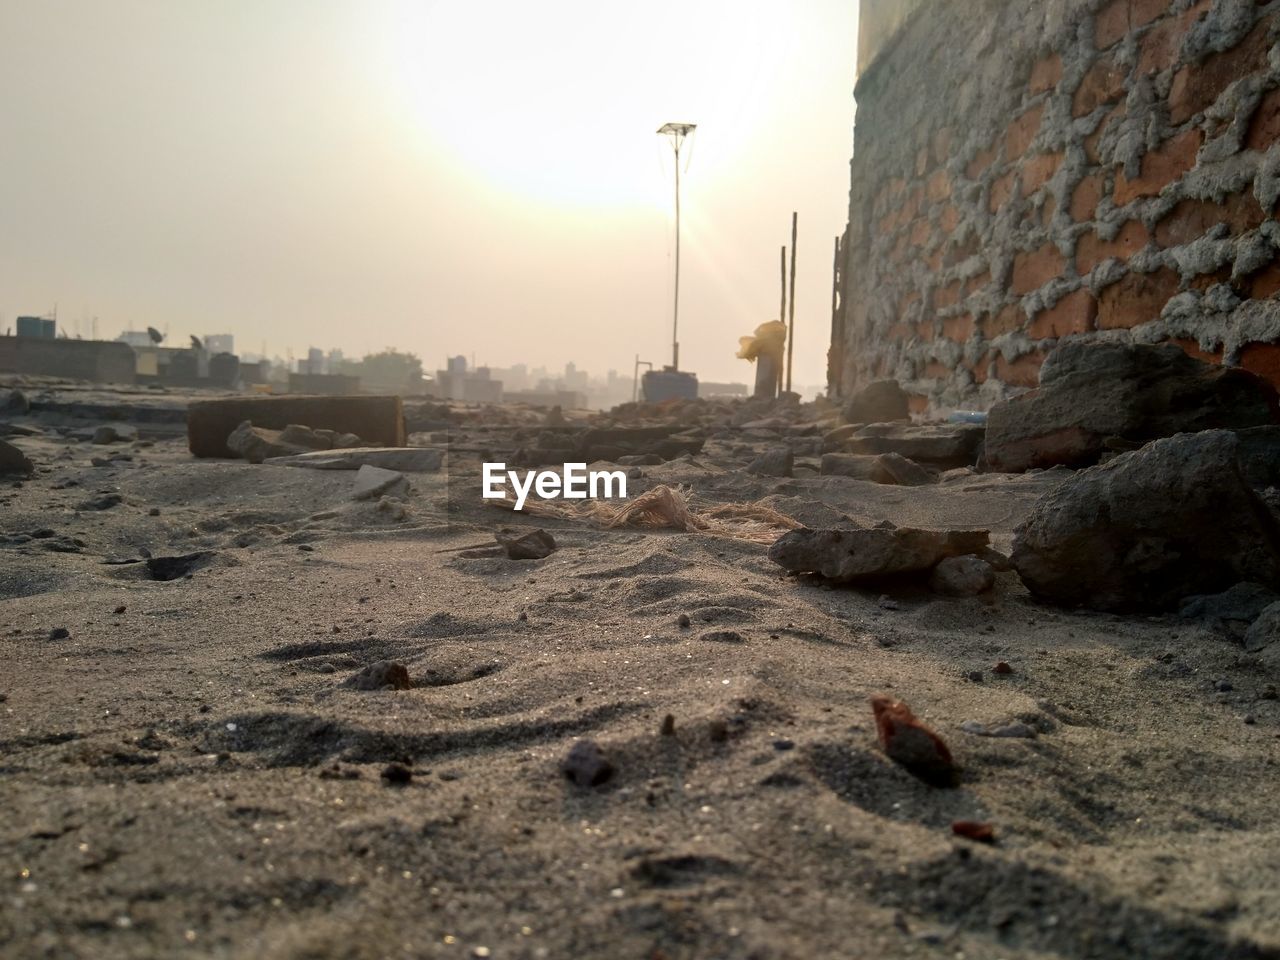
(856, 554)
(380, 420)
(834, 440)
(105, 434)
(997, 560)
(974, 830)
(776, 462)
(721, 636)
(177, 567)
(534, 545)
(1150, 528)
(880, 468)
(397, 775)
(1232, 610)
(103, 501)
(942, 445)
(1002, 667)
(880, 401)
(404, 459)
(962, 577)
(13, 462)
(1093, 391)
(59, 633)
(14, 401)
(1265, 630)
(256, 444)
(909, 742)
(297, 435)
(586, 765)
(383, 675)
(371, 482)
(904, 472)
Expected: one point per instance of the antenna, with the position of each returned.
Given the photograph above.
(676, 133)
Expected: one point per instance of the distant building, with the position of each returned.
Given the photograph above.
(42, 327)
(220, 343)
(136, 338)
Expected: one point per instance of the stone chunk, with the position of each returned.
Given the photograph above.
(962, 577)
(1231, 611)
(13, 462)
(777, 462)
(849, 555)
(404, 459)
(943, 445)
(586, 765)
(880, 401)
(379, 420)
(1093, 391)
(1150, 528)
(382, 675)
(909, 742)
(257, 444)
(534, 545)
(1264, 631)
(890, 468)
(371, 482)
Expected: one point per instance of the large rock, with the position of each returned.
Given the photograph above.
(1092, 392)
(257, 444)
(13, 462)
(775, 462)
(943, 445)
(880, 401)
(850, 555)
(884, 468)
(1150, 528)
(372, 482)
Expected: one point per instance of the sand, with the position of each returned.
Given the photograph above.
(185, 773)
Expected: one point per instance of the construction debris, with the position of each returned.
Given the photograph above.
(848, 556)
(378, 420)
(910, 743)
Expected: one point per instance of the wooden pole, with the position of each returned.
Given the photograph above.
(782, 310)
(791, 315)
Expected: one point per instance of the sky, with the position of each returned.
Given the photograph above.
(444, 178)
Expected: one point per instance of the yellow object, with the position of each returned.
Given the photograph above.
(770, 338)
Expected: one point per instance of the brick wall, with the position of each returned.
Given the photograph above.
(1029, 170)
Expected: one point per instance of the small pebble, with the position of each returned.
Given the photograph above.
(975, 676)
(668, 728)
(1002, 667)
(397, 774)
(1224, 686)
(586, 765)
(782, 743)
(59, 633)
(120, 609)
(683, 621)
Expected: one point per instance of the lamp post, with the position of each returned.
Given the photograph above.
(676, 133)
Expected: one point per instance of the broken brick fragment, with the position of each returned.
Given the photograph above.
(910, 743)
(974, 830)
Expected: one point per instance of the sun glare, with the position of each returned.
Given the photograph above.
(558, 103)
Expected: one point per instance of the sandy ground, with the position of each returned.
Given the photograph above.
(185, 775)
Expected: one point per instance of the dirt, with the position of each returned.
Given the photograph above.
(186, 772)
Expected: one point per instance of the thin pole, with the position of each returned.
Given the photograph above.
(782, 302)
(835, 281)
(635, 381)
(675, 309)
(791, 318)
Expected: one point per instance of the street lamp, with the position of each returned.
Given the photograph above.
(676, 132)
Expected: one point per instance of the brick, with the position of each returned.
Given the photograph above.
(1022, 372)
(1262, 359)
(1160, 167)
(976, 283)
(936, 371)
(1021, 132)
(941, 146)
(1191, 219)
(934, 260)
(959, 328)
(1092, 141)
(900, 333)
(1091, 251)
(1136, 299)
(1045, 74)
(920, 232)
(1007, 320)
(1265, 283)
(948, 218)
(980, 162)
(1074, 313)
(1207, 280)
(378, 420)
(980, 369)
(1102, 83)
(922, 161)
(917, 403)
(1264, 125)
(947, 296)
(1032, 269)
(1192, 349)
(1110, 24)
(1198, 85)
(1001, 191)
(939, 187)
(1159, 49)
(1085, 197)
(1046, 211)
(1037, 171)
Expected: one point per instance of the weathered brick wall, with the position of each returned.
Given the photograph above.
(1028, 170)
(97, 360)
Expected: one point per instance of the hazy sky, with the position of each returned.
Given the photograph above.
(477, 178)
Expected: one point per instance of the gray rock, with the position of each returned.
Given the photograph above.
(586, 765)
(534, 545)
(1265, 631)
(383, 675)
(943, 445)
(857, 554)
(962, 577)
(372, 482)
(13, 462)
(297, 435)
(775, 462)
(404, 459)
(1150, 528)
(1096, 393)
(1017, 729)
(257, 444)
(880, 401)
(1232, 610)
(834, 440)
(890, 468)
(14, 401)
(904, 472)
